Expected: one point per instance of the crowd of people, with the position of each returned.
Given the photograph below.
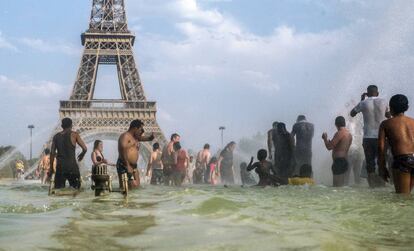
(288, 159)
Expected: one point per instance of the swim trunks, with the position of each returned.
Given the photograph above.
(404, 163)
(157, 176)
(339, 166)
(122, 168)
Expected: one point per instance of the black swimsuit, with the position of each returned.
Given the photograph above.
(121, 167)
(404, 163)
(339, 166)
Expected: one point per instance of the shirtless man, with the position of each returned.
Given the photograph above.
(64, 149)
(399, 133)
(167, 158)
(128, 150)
(203, 158)
(271, 139)
(155, 166)
(339, 145)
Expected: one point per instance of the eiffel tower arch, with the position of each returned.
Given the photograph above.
(109, 42)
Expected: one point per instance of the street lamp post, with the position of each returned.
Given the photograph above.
(222, 128)
(31, 127)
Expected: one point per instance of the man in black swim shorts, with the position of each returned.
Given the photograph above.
(339, 145)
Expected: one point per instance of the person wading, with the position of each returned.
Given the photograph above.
(64, 149)
(128, 150)
(374, 110)
(303, 131)
(339, 145)
(399, 132)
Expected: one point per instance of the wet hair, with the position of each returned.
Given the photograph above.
(206, 146)
(177, 146)
(66, 123)
(174, 135)
(340, 121)
(274, 125)
(136, 124)
(232, 143)
(281, 129)
(399, 104)
(372, 90)
(243, 165)
(261, 154)
(213, 160)
(155, 146)
(301, 117)
(305, 171)
(47, 151)
(96, 144)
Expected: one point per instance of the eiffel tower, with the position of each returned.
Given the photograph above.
(109, 42)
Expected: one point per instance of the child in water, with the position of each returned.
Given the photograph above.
(264, 168)
(214, 173)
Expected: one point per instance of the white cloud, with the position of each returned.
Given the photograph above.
(5, 44)
(45, 46)
(30, 88)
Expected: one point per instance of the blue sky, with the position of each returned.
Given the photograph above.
(238, 63)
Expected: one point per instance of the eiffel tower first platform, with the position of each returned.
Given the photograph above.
(109, 42)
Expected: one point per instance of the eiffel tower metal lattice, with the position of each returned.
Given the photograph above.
(108, 41)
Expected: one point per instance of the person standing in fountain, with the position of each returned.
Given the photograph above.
(97, 155)
(128, 150)
(271, 140)
(284, 160)
(202, 161)
(44, 166)
(374, 111)
(303, 130)
(181, 160)
(214, 173)
(155, 166)
(339, 145)
(399, 133)
(167, 158)
(64, 148)
(225, 164)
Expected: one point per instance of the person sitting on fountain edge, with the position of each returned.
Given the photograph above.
(399, 133)
(64, 148)
(128, 150)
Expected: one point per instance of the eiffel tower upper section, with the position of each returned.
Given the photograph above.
(108, 41)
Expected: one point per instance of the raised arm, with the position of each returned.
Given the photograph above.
(357, 109)
(383, 172)
(143, 138)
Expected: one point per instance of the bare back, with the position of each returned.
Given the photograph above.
(399, 131)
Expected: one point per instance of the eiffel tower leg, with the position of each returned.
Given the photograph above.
(130, 80)
(85, 82)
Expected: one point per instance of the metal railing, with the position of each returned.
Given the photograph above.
(107, 104)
